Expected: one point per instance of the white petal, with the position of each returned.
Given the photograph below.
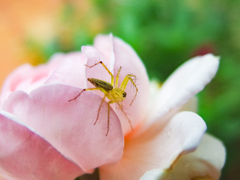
(204, 163)
(158, 147)
(184, 83)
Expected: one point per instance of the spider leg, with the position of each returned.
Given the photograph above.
(125, 82)
(121, 107)
(103, 99)
(117, 77)
(109, 72)
(108, 123)
(89, 89)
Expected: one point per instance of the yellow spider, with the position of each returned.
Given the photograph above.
(112, 91)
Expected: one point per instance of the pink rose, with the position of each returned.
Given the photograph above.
(43, 136)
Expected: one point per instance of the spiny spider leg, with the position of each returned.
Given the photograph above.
(100, 62)
(89, 89)
(108, 125)
(103, 99)
(125, 82)
(117, 77)
(121, 107)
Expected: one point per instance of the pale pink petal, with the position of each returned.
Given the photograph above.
(183, 84)
(158, 147)
(4, 175)
(69, 126)
(25, 155)
(71, 71)
(98, 71)
(104, 43)
(154, 87)
(127, 58)
(27, 77)
(156, 174)
(191, 105)
(205, 162)
(123, 55)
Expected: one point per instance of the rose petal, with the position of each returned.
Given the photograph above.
(25, 155)
(69, 126)
(183, 84)
(104, 43)
(191, 105)
(154, 86)
(98, 71)
(155, 174)
(212, 151)
(71, 71)
(205, 162)
(124, 56)
(27, 77)
(158, 147)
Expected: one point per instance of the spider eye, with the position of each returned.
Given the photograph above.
(124, 94)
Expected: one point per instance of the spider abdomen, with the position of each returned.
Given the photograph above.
(100, 83)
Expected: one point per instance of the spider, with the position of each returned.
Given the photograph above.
(114, 92)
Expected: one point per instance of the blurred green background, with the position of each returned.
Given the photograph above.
(164, 34)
